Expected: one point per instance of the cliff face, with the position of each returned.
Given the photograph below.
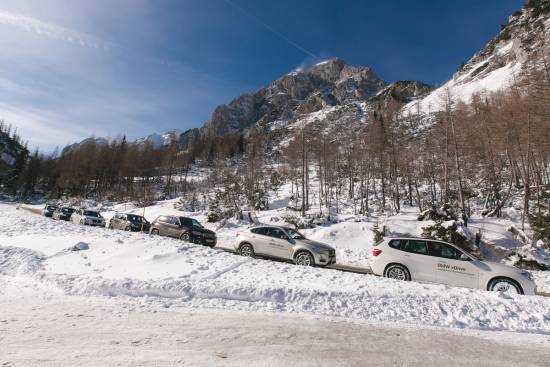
(329, 83)
(333, 93)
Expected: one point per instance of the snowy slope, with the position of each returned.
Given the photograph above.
(168, 272)
(496, 67)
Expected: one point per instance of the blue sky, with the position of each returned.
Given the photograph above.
(74, 69)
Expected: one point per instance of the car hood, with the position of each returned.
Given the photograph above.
(203, 230)
(501, 268)
(317, 245)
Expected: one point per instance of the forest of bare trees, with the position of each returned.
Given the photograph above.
(495, 148)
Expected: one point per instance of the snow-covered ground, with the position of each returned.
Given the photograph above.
(162, 272)
(39, 327)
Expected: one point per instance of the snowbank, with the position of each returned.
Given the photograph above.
(166, 272)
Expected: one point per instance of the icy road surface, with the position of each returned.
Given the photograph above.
(161, 272)
(43, 328)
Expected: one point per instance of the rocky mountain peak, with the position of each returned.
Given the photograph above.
(329, 70)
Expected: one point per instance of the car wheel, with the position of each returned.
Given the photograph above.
(246, 250)
(304, 259)
(155, 232)
(185, 237)
(505, 285)
(127, 228)
(396, 271)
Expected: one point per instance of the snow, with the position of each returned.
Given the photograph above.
(164, 272)
(463, 88)
(41, 328)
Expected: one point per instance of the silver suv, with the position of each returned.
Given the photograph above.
(284, 243)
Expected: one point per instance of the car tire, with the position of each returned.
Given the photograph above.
(304, 258)
(155, 232)
(504, 285)
(127, 228)
(398, 272)
(246, 250)
(186, 237)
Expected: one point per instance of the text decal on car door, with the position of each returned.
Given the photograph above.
(447, 267)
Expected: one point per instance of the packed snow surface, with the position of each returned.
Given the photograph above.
(169, 272)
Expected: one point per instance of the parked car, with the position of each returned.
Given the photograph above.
(48, 210)
(129, 222)
(441, 262)
(88, 218)
(186, 229)
(63, 213)
(284, 243)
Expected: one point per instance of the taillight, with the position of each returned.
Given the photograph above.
(376, 251)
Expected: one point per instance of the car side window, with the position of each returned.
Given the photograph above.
(261, 230)
(445, 251)
(175, 221)
(416, 247)
(186, 222)
(277, 233)
(397, 244)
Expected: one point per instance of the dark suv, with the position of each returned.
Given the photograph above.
(129, 222)
(187, 229)
(63, 213)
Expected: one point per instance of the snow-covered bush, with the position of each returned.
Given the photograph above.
(539, 219)
(520, 261)
(446, 226)
(443, 213)
(378, 233)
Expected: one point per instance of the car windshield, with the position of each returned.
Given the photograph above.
(472, 255)
(67, 210)
(294, 234)
(51, 207)
(135, 218)
(89, 213)
(196, 223)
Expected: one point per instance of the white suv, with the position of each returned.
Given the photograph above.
(284, 243)
(441, 262)
(88, 217)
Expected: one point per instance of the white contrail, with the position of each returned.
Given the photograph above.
(41, 28)
(271, 29)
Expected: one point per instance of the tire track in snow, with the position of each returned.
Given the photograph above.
(225, 270)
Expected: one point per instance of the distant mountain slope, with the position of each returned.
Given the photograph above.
(499, 63)
(333, 94)
(13, 154)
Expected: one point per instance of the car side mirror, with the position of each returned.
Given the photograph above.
(465, 258)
